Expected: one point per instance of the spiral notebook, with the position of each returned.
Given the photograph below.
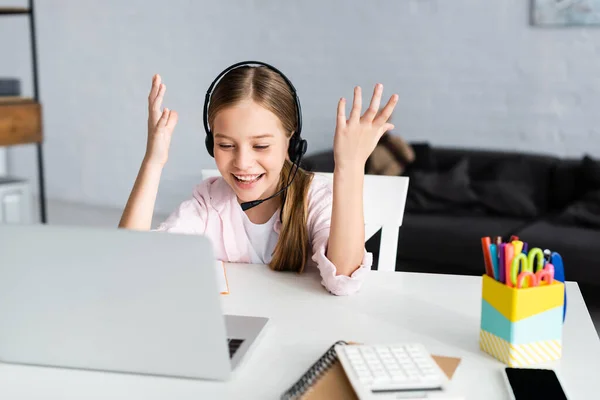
(326, 378)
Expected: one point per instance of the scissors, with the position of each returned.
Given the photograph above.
(532, 266)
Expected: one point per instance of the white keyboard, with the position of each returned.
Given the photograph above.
(390, 368)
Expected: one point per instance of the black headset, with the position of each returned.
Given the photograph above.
(297, 146)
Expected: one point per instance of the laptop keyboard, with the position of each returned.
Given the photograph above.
(234, 345)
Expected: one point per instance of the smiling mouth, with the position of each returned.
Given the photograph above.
(247, 178)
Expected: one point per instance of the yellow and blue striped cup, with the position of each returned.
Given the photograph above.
(521, 327)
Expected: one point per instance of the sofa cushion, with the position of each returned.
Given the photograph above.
(564, 182)
(584, 212)
(508, 189)
(534, 170)
(319, 162)
(590, 171)
(446, 192)
(579, 248)
(582, 186)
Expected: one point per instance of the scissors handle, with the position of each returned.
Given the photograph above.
(536, 259)
(533, 280)
(519, 264)
(545, 275)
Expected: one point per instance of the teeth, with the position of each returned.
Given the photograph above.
(247, 178)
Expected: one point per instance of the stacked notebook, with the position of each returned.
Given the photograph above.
(326, 378)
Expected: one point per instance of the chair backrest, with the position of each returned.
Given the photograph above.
(384, 197)
(384, 200)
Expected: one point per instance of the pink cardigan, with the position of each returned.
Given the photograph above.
(215, 212)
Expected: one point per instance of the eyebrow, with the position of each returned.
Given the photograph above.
(262, 136)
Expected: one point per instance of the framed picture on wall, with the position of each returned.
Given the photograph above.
(565, 12)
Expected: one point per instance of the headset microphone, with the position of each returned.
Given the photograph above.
(249, 204)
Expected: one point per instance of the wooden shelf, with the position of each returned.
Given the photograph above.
(20, 121)
(15, 100)
(13, 10)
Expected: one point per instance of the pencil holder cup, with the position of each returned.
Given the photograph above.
(523, 326)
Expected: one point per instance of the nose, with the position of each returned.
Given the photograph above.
(244, 159)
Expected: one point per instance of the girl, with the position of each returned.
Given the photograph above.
(252, 115)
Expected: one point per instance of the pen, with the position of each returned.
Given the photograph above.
(487, 257)
(509, 253)
(517, 246)
(494, 255)
(501, 263)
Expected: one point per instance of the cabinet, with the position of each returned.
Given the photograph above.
(21, 118)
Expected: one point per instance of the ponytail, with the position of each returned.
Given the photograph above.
(291, 251)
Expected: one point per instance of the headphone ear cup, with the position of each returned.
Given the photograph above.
(210, 144)
(293, 148)
(297, 148)
(302, 147)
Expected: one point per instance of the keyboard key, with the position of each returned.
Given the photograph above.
(367, 351)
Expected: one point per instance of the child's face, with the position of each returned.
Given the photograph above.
(250, 149)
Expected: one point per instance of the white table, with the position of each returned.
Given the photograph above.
(441, 311)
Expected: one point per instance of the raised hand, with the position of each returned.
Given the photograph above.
(356, 137)
(161, 124)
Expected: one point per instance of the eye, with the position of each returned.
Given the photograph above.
(261, 147)
(225, 146)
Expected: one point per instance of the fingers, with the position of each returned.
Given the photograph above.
(173, 118)
(156, 80)
(375, 101)
(356, 105)
(387, 127)
(162, 122)
(341, 112)
(159, 98)
(386, 113)
(155, 98)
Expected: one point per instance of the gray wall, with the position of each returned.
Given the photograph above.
(469, 73)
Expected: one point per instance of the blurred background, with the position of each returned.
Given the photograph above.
(505, 76)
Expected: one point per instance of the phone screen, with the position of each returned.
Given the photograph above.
(534, 384)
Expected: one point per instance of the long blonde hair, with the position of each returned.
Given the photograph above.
(268, 89)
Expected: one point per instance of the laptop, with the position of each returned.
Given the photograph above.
(117, 300)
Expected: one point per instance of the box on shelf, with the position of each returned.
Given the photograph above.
(10, 87)
(15, 201)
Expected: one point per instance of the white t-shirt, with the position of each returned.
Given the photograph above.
(263, 239)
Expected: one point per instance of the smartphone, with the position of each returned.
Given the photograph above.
(529, 383)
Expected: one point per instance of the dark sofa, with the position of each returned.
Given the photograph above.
(456, 196)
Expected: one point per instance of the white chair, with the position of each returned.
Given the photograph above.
(384, 199)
